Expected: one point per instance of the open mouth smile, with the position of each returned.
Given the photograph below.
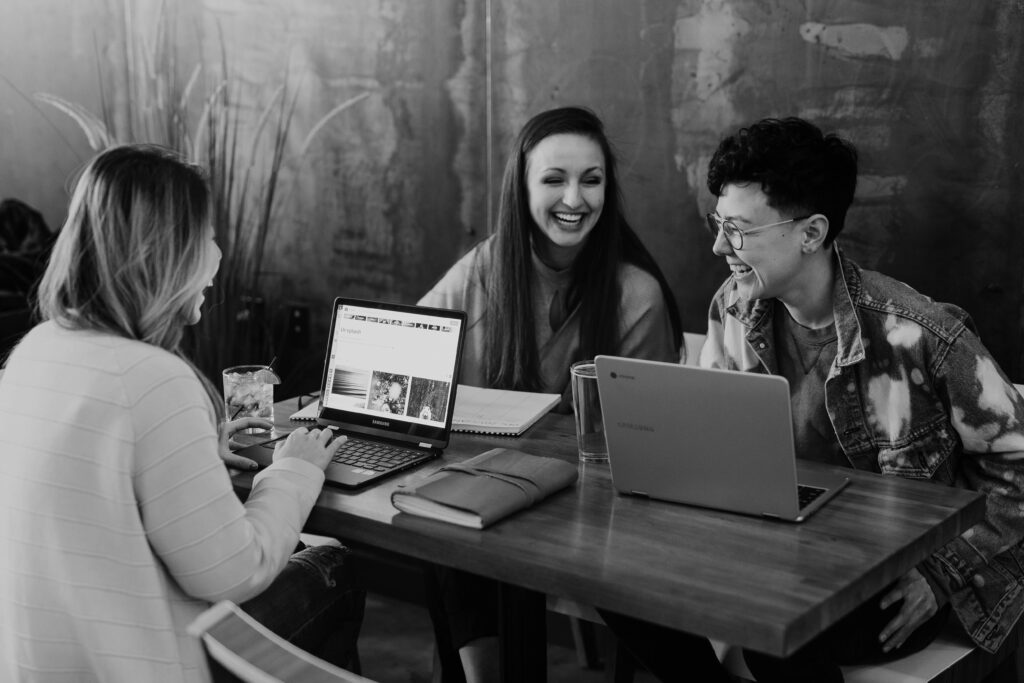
(569, 219)
(740, 269)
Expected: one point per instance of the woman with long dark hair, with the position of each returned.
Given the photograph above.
(564, 277)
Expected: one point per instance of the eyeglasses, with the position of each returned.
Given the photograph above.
(734, 235)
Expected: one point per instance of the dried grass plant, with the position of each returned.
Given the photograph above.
(204, 117)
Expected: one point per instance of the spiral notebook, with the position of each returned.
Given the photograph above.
(499, 411)
(483, 411)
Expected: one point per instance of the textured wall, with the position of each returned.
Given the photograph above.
(385, 192)
(930, 91)
(396, 188)
(48, 46)
(378, 195)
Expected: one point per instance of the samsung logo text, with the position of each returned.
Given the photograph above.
(636, 427)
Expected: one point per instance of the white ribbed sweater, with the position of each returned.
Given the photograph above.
(118, 523)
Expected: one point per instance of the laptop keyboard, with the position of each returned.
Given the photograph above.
(376, 456)
(808, 494)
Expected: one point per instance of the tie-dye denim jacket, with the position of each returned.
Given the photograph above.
(913, 392)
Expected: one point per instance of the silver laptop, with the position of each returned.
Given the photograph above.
(389, 385)
(713, 438)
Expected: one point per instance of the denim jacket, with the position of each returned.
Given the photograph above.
(914, 393)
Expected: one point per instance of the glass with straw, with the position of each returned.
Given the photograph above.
(249, 392)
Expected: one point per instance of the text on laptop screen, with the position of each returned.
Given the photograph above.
(392, 363)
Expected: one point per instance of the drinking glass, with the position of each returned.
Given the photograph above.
(586, 406)
(249, 391)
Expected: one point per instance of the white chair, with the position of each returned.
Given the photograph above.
(951, 658)
(240, 649)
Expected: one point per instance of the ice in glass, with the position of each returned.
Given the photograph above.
(249, 391)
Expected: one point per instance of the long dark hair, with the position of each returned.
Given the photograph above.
(511, 350)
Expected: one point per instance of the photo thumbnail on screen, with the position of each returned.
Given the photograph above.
(428, 399)
(389, 393)
(349, 387)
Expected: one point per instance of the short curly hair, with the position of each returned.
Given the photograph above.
(800, 169)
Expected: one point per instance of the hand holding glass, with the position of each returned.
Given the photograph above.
(249, 391)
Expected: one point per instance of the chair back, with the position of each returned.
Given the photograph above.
(240, 649)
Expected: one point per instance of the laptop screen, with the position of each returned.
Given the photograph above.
(392, 369)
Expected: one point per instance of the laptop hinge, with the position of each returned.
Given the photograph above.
(640, 493)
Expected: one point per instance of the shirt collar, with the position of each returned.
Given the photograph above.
(557, 277)
(846, 290)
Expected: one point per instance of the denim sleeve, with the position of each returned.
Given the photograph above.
(987, 413)
(937, 580)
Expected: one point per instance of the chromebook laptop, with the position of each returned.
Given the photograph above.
(389, 382)
(713, 438)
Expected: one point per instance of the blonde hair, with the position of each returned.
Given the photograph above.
(129, 258)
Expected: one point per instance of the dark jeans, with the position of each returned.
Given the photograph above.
(668, 654)
(315, 604)
(470, 602)
(676, 656)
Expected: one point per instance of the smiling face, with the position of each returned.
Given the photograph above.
(770, 265)
(565, 181)
(210, 265)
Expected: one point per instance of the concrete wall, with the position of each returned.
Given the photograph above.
(396, 188)
(46, 46)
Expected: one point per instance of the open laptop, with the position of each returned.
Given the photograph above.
(714, 438)
(389, 384)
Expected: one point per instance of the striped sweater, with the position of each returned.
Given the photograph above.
(118, 523)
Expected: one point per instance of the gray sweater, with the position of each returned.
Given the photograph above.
(645, 329)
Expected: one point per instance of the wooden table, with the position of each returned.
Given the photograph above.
(766, 585)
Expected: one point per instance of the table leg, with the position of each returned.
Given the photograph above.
(522, 630)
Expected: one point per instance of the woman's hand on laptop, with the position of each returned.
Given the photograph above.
(227, 441)
(312, 445)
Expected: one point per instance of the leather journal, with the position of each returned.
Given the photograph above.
(486, 488)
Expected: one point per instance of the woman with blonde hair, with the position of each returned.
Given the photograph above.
(117, 516)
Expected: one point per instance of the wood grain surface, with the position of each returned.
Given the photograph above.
(761, 584)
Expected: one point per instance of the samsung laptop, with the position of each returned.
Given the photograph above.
(713, 438)
(389, 381)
